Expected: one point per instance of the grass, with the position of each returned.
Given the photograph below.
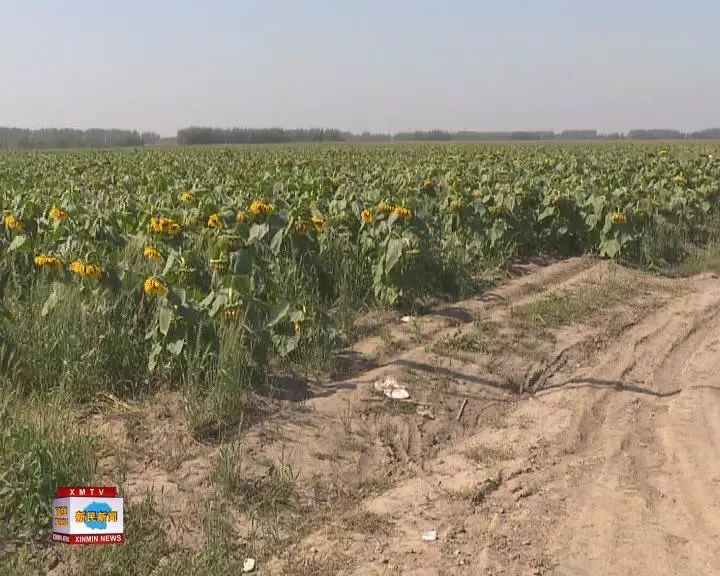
(698, 261)
(366, 523)
(148, 550)
(482, 338)
(563, 308)
(41, 448)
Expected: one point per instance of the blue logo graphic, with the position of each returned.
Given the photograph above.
(96, 507)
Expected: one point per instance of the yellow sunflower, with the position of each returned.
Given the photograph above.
(47, 262)
(58, 214)
(261, 207)
(215, 222)
(619, 218)
(318, 222)
(154, 287)
(402, 213)
(12, 223)
(367, 217)
(152, 253)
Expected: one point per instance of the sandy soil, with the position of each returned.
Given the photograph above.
(585, 448)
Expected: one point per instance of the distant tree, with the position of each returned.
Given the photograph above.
(713, 133)
(656, 134)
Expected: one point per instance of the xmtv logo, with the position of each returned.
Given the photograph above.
(86, 492)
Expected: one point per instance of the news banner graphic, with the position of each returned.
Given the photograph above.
(88, 515)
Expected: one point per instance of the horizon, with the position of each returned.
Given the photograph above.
(377, 67)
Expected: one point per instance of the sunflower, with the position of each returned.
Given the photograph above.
(318, 222)
(154, 287)
(12, 223)
(261, 207)
(298, 327)
(385, 207)
(187, 197)
(152, 253)
(58, 214)
(166, 226)
(215, 222)
(240, 217)
(367, 217)
(77, 267)
(47, 262)
(402, 213)
(619, 218)
(92, 271)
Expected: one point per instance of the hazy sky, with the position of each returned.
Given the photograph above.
(363, 65)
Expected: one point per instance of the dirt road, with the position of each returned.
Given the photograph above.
(612, 466)
(566, 423)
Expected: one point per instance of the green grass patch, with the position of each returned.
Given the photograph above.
(41, 448)
(578, 307)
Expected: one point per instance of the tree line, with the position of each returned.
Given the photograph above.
(72, 138)
(203, 135)
(199, 135)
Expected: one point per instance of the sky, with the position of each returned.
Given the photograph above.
(376, 65)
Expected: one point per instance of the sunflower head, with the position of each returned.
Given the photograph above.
(58, 214)
(187, 197)
(366, 216)
(47, 262)
(215, 222)
(385, 207)
(402, 213)
(154, 287)
(152, 253)
(318, 222)
(259, 207)
(619, 217)
(12, 223)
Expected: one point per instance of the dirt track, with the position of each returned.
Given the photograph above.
(607, 463)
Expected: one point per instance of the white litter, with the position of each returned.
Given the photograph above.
(248, 565)
(406, 319)
(430, 535)
(397, 394)
(386, 383)
(390, 387)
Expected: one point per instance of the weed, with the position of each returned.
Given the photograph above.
(41, 448)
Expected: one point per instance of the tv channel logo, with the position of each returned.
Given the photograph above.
(88, 515)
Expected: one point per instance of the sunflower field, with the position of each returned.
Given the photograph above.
(119, 269)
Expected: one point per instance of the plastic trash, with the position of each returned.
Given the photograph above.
(248, 565)
(390, 387)
(430, 535)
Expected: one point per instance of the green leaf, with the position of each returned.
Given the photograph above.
(240, 262)
(280, 314)
(165, 320)
(17, 242)
(276, 242)
(610, 248)
(178, 295)
(175, 348)
(153, 356)
(393, 254)
(219, 302)
(169, 262)
(50, 303)
(257, 232)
